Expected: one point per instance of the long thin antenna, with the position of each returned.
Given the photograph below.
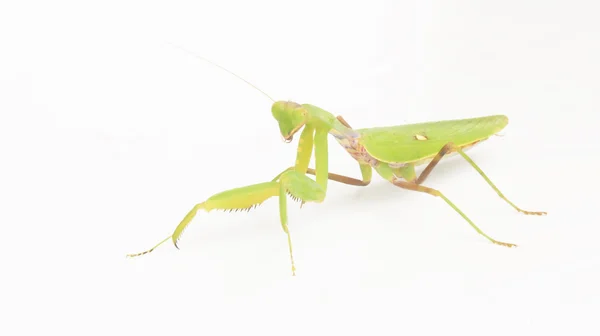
(222, 68)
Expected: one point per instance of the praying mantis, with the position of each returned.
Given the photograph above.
(392, 152)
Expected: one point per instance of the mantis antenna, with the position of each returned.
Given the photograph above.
(222, 68)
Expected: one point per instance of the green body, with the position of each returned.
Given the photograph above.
(393, 152)
(398, 144)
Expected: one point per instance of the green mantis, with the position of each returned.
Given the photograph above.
(392, 152)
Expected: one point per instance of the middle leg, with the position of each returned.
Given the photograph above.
(366, 172)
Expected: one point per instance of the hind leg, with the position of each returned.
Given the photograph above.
(449, 148)
(388, 173)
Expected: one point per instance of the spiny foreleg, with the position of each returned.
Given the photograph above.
(293, 183)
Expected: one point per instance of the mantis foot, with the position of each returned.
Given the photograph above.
(535, 213)
(509, 245)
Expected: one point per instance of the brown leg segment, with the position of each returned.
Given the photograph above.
(342, 179)
(343, 121)
(334, 177)
(450, 147)
(445, 150)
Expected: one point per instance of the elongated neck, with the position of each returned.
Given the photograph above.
(321, 119)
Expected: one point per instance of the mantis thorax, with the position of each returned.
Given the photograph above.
(293, 116)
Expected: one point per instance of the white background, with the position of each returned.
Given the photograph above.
(109, 135)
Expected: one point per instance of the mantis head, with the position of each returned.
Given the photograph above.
(290, 116)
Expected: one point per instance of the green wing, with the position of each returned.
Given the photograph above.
(414, 142)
